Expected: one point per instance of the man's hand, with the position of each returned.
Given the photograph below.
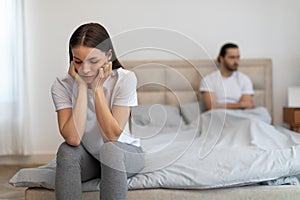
(246, 104)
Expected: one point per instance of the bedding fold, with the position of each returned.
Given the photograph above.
(220, 148)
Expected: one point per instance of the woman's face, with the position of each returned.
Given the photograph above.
(88, 61)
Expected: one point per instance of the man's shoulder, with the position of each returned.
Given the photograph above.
(213, 74)
(244, 79)
(243, 75)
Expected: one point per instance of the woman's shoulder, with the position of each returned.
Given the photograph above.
(65, 81)
(124, 74)
(124, 71)
(126, 79)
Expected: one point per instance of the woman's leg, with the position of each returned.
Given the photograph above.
(73, 165)
(118, 162)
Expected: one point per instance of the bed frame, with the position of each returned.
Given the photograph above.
(175, 82)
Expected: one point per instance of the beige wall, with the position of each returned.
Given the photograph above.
(268, 28)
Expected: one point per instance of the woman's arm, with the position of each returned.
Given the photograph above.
(72, 121)
(111, 122)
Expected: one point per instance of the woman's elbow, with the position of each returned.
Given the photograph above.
(112, 136)
(71, 137)
(73, 143)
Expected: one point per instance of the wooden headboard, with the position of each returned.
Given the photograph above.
(177, 81)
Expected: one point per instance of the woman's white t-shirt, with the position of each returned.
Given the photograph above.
(119, 89)
(227, 89)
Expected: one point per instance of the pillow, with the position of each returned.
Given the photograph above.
(44, 177)
(153, 118)
(155, 114)
(190, 112)
(34, 177)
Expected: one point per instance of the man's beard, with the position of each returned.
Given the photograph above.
(231, 69)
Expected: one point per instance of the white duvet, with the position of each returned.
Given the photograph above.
(234, 147)
(221, 148)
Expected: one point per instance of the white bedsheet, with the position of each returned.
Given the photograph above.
(234, 148)
(221, 148)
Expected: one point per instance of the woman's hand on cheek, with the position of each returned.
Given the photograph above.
(103, 73)
(72, 72)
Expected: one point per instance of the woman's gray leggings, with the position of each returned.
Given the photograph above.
(118, 161)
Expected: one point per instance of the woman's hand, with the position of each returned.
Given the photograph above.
(104, 72)
(75, 75)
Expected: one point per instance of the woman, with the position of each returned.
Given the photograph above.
(93, 107)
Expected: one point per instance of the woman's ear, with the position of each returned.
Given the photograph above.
(109, 54)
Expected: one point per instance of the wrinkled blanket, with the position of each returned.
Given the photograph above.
(221, 148)
(233, 147)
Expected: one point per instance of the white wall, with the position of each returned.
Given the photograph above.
(262, 28)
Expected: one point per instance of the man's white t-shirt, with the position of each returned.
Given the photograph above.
(119, 89)
(227, 89)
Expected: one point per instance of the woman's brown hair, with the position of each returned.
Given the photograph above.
(95, 36)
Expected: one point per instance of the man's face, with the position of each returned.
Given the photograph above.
(231, 59)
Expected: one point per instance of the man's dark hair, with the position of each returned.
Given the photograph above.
(224, 49)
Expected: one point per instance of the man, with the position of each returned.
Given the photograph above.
(227, 87)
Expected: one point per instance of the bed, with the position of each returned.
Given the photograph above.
(167, 85)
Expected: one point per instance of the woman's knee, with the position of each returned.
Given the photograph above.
(112, 150)
(112, 155)
(69, 153)
(121, 156)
